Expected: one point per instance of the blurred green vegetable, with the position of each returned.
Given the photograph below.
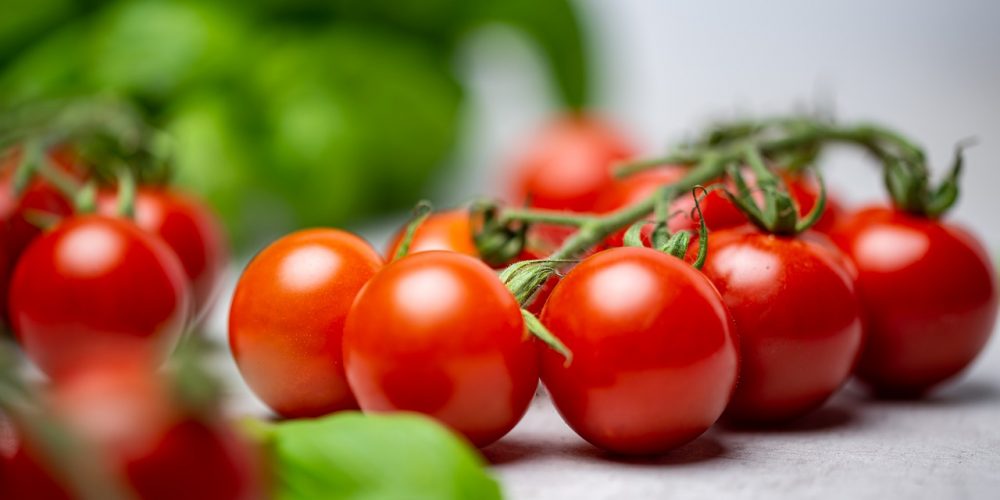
(355, 456)
(286, 113)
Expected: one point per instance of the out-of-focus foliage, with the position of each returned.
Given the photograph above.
(285, 112)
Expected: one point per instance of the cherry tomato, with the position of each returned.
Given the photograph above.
(287, 319)
(797, 316)
(929, 295)
(16, 231)
(92, 282)
(188, 227)
(451, 230)
(438, 333)
(569, 164)
(128, 430)
(654, 352)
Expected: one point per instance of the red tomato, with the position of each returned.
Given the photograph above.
(654, 353)
(189, 228)
(929, 295)
(569, 164)
(130, 432)
(16, 232)
(451, 230)
(287, 319)
(797, 316)
(438, 333)
(92, 282)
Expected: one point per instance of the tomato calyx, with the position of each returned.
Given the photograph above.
(910, 187)
(497, 241)
(778, 212)
(661, 239)
(524, 279)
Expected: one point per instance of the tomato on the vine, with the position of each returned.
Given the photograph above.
(450, 230)
(654, 352)
(188, 227)
(438, 333)
(93, 282)
(797, 317)
(719, 212)
(16, 228)
(286, 322)
(569, 164)
(929, 296)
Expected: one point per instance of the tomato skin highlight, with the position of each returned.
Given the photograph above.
(450, 230)
(438, 333)
(190, 229)
(929, 294)
(94, 283)
(655, 356)
(797, 316)
(286, 322)
(568, 165)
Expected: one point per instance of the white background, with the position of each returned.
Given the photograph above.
(665, 68)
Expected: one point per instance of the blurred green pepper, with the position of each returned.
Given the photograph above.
(285, 113)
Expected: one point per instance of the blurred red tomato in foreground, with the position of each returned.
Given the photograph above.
(95, 282)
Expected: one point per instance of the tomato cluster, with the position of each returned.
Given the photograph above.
(650, 350)
(97, 294)
(591, 285)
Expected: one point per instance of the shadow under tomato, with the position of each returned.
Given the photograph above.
(510, 450)
(700, 450)
(822, 419)
(964, 393)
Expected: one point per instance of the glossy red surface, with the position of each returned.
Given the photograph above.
(568, 165)
(797, 317)
(94, 282)
(286, 323)
(16, 231)
(654, 352)
(189, 228)
(929, 294)
(438, 333)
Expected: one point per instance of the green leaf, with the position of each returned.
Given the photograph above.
(355, 456)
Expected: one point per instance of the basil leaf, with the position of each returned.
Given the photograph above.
(354, 456)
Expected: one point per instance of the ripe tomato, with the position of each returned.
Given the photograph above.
(92, 282)
(451, 230)
(797, 316)
(569, 164)
(929, 295)
(188, 227)
(438, 333)
(16, 232)
(654, 352)
(287, 319)
(128, 430)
